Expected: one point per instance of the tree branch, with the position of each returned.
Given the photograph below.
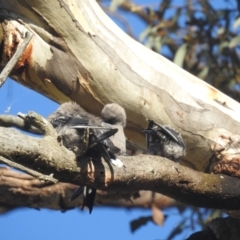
(39, 122)
(21, 190)
(14, 121)
(47, 155)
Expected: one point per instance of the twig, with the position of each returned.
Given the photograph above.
(31, 172)
(39, 122)
(12, 62)
(14, 121)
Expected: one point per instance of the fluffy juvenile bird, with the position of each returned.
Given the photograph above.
(84, 133)
(164, 141)
(71, 122)
(115, 115)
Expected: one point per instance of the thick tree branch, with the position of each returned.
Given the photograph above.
(144, 172)
(21, 190)
(14, 121)
(40, 123)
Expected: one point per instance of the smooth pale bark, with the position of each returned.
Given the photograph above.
(78, 53)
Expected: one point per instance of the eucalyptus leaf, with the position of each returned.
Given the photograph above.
(114, 5)
(236, 23)
(203, 73)
(234, 42)
(220, 31)
(145, 33)
(223, 45)
(180, 54)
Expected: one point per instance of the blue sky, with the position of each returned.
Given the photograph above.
(103, 223)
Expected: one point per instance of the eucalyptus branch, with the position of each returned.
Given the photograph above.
(39, 122)
(144, 172)
(17, 121)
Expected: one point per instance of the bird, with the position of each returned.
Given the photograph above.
(163, 140)
(85, 134)
(71, 122)
(115, 115)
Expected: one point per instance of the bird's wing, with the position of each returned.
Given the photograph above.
(56, 122)
(175, 136)
(77, 121)
(107, 134)
(71, 121)
(113, 148)
(88, 198)
(149, 131)
(76, 193)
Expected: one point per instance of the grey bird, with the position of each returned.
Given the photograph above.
(115, 115)
(84, 133)
(71, 122)
(164, 141)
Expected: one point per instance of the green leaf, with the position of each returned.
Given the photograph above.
(203, 73)
(114, 5)
(145, 33)
(234, 42)
(236, 23)
(149, 42)
(220, 31)
(158, 43)
(180, 54)
(223, 45)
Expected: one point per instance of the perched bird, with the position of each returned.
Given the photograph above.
(71, 122)
(164, 141)
(84, 133)
(115, 115)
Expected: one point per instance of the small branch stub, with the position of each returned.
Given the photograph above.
(39, 122)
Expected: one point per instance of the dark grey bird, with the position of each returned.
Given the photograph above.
(84, 133)
(164, 141)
